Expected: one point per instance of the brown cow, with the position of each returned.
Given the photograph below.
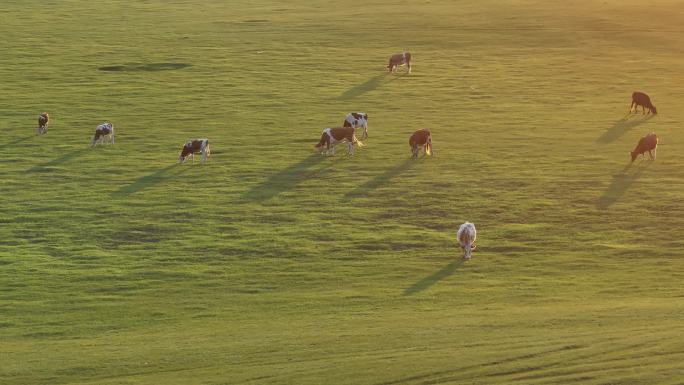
(641, 99)
(195, 146)
(399, 59)
(421, 138)
(647, 143)
(333, 136)
(43, 121)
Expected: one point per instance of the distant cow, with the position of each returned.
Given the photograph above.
(641, 99)
(399, 59)
(466, 236)
(104, 132)
(647, 143)
(356, 120)
(421, 139)
(195, 146)
(43, 120)
(334, 136)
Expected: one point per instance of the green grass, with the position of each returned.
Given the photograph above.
(273, 265)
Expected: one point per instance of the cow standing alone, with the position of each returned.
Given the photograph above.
(333, 136)
(399, 59)
(421, 139)
(43, 121)
(103, 132)
(643, 100)
(195, 146)
(647, 143)
(466, 236)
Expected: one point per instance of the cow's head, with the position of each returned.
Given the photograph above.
(633, 155)
(654, 109)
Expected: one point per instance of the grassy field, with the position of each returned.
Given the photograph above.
(274, 265)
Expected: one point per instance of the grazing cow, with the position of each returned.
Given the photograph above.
(195, 146)
(421, 139)
(356, 120)
(466, 238)
(103, 132)
(399, 59)
(43, 121)
(647, 143)
(334, 136)
(641, 99)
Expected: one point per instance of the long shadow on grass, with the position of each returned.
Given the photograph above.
(620, 128)
(152, 179)
(62, 159)
(369, 85)
(379, 180)
(621, 183)
(17, 141)
(432, 279)
(284, 179)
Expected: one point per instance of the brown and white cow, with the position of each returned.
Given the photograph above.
(466, 236)
(421, 139)
(647, 143)
(103, 132)
(43, 120)
(334, 136)
(195, 146)
(399, 59)
(356, 120)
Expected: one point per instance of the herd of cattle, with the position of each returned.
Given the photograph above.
(420, 139)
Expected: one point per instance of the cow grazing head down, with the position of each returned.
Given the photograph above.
(43, 120)
(334, 136)
(466, 236)
(421, 139)
(648, 143)
(357, 120)
(195, 146)
(399, 59)
(643, 100)
(103, 133)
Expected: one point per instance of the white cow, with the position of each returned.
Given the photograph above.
(466, 237)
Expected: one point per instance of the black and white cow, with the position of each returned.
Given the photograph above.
(43, 120)
(356, 120)
(334, 136)
(104, 132)
(399, 59)
(195, 146)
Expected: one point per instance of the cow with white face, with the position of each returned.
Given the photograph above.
(358, 120)
(43, 121)
(104, 132)
(421, 139)
(466, 236)
(195, 146)
(334, 136)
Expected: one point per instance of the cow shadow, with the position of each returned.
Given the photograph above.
(62, 159)
(621, 127)
(150, 180)
(621, 183)
(433, 278)
(18, 141)
(380, 180)
(367, 86)
(284, 179)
